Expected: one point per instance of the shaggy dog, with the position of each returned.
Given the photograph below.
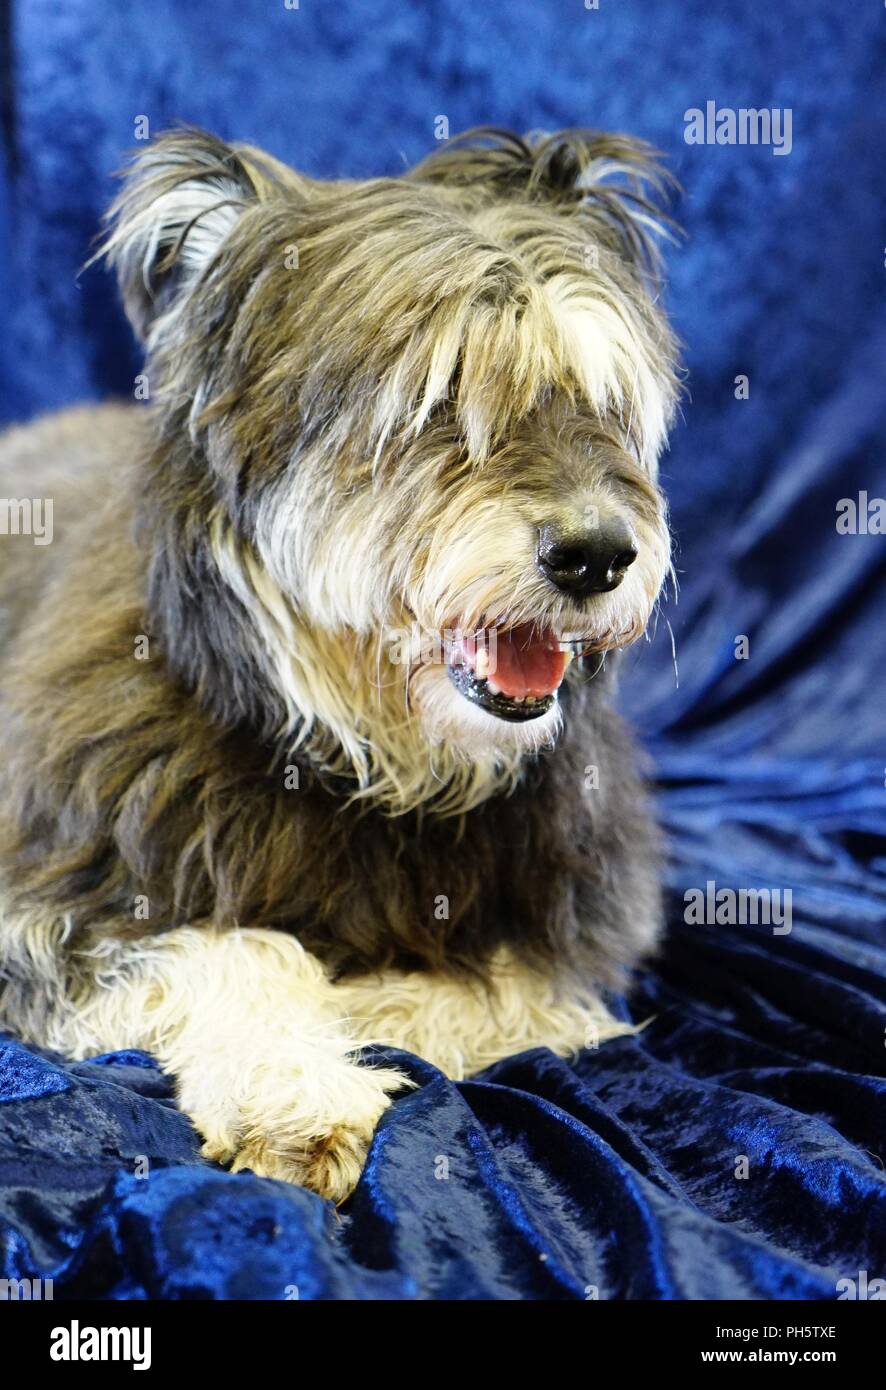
(292, 761)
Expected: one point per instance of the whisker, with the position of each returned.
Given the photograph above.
(674, 655)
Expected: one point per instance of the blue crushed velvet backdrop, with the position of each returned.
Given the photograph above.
(617, 1171)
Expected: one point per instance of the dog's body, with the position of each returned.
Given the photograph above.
(238, 828)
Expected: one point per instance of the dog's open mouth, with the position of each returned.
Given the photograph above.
(513, 673)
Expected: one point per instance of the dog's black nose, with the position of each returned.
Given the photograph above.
(582, 563)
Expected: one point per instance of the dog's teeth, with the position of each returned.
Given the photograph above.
(481, 663)
(569, 654)
(493, 688)
(530, 699)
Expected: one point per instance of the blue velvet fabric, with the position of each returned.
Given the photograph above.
(614, 1174)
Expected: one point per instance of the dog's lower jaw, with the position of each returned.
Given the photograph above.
(476, 735)
(265, 1049)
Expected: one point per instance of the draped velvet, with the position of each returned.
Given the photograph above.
(733, 1148)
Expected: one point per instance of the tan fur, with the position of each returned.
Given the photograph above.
(462, 1026)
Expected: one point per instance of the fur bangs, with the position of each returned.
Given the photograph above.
(421, 292)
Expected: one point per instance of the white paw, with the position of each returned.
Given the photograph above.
(313, 1132)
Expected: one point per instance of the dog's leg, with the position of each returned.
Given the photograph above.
(462, 1026)
(249, 1025)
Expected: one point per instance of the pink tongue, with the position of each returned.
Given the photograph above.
(522, 660)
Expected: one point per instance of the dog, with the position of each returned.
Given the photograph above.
(307, 728)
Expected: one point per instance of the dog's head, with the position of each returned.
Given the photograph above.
(409, 438)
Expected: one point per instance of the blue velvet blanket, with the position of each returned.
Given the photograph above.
(733, 1148)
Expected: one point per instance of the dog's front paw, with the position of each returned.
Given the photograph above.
(315, 1134)
(329, 1164)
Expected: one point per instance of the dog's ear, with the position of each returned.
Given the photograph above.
(181, 197)
(616, 182)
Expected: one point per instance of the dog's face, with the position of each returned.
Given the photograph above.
(417, 421)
